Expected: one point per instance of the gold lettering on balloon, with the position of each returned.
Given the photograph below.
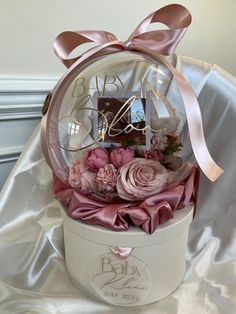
(111, 80)
(129, 127)
(79, 87)
(110, 85)
(81, 103)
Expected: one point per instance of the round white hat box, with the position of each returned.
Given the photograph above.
(154, 268)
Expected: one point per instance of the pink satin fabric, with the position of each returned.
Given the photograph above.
(152, 43)
(147, 214)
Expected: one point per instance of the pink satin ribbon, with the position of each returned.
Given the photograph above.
(150, 43)
(147, 214)
(121, 252)
(174, 16)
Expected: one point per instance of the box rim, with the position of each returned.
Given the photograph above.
(134, 237)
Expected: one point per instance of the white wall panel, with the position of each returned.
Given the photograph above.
(28, 28)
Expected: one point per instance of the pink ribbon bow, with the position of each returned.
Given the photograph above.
(152, 43)
(174, 16)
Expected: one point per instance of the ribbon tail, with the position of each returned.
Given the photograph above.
(195, 125)
(194, 117)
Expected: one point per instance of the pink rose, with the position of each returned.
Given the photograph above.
(121, 156)
(177, 176)
(97, 158)
(141, 178)
(81, 178)
(106, 178)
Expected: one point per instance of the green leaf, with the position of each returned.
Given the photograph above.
(111, 147)
(137, 152)
(128, 143)
(172, 147)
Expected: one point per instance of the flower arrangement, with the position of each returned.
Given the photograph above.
(127, 173)
(121, 185)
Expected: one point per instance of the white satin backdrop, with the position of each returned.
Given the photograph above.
(33, 278)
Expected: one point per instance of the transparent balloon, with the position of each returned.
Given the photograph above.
(121, 99)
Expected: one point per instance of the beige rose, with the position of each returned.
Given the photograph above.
(141, 178)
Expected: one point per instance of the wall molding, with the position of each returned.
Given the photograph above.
(21, 101)
(23, 98)
(26, 85)
(10, 154)
(12, 112)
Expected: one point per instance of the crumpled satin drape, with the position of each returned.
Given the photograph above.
(33, 277)
(147, 214)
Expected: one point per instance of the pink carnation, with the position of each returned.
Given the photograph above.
(141, 178)
(159, 141)
(81, 178)
(97, 158)
(153, 154)
(106, 178)
(121, 156)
